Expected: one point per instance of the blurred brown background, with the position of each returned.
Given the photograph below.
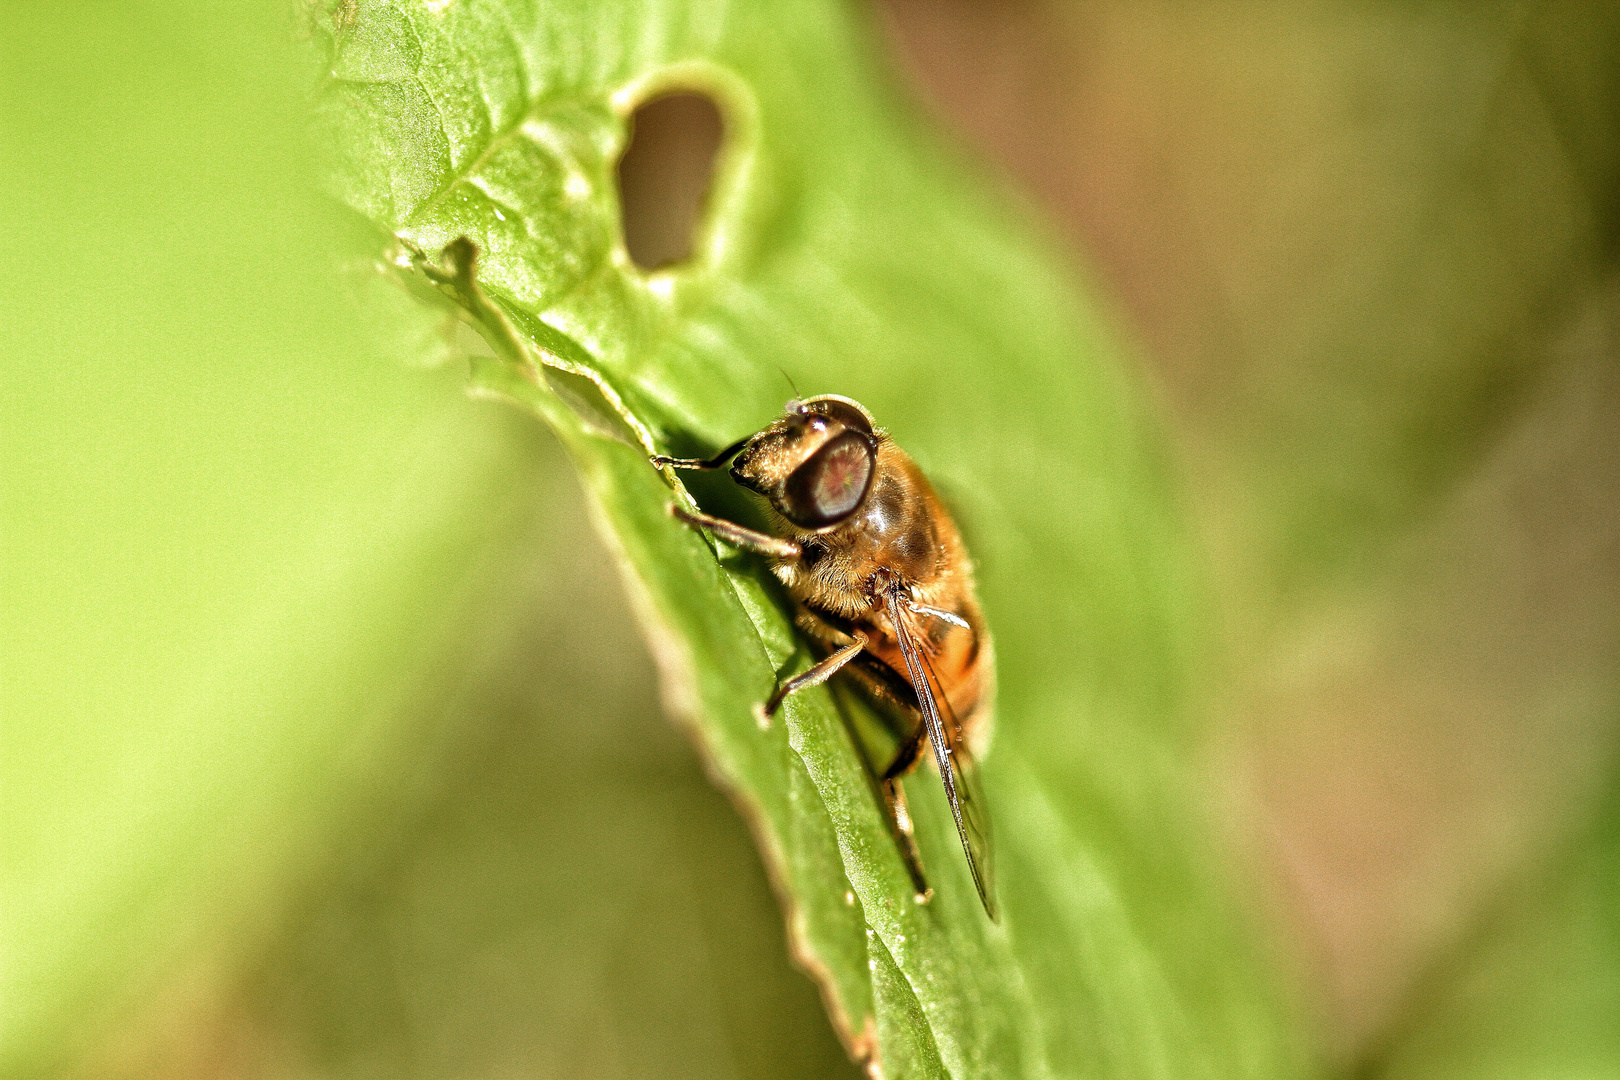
(1368, 254)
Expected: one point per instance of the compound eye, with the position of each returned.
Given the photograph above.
(840, 412)
(830, 486)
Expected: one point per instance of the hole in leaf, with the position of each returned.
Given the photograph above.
(665, 175)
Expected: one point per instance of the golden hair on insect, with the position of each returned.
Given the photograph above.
(883, 588)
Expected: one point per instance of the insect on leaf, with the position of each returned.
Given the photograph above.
(845, 245)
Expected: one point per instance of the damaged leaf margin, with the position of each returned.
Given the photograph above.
(801, 864)
(849, 247)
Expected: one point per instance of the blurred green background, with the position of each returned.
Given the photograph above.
(330, 748)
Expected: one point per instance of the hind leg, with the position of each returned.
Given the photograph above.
(899, 818)
(887, 699)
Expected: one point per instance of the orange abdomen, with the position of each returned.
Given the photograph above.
(960, 662)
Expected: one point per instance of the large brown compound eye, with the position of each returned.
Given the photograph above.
(839, 411)
(830, 486)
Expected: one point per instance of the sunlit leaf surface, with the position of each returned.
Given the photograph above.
(863, 260)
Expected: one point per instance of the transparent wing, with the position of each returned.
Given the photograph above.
(972, 815)
(956, 768)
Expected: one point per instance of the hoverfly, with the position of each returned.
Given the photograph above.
(883, 588)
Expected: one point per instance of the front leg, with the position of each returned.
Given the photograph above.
(740, 535)
(705, 464)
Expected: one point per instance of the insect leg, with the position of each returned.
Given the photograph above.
(717, 462)
(899, 815)
(884, 690)
(893, 700)
(739, 535)
(817, 675)
(906, 758)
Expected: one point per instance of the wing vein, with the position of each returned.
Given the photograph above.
(944, 749)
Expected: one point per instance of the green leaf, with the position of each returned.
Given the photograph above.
(851, 249)
(243, 547)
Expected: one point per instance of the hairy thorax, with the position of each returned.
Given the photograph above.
(896, 534)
